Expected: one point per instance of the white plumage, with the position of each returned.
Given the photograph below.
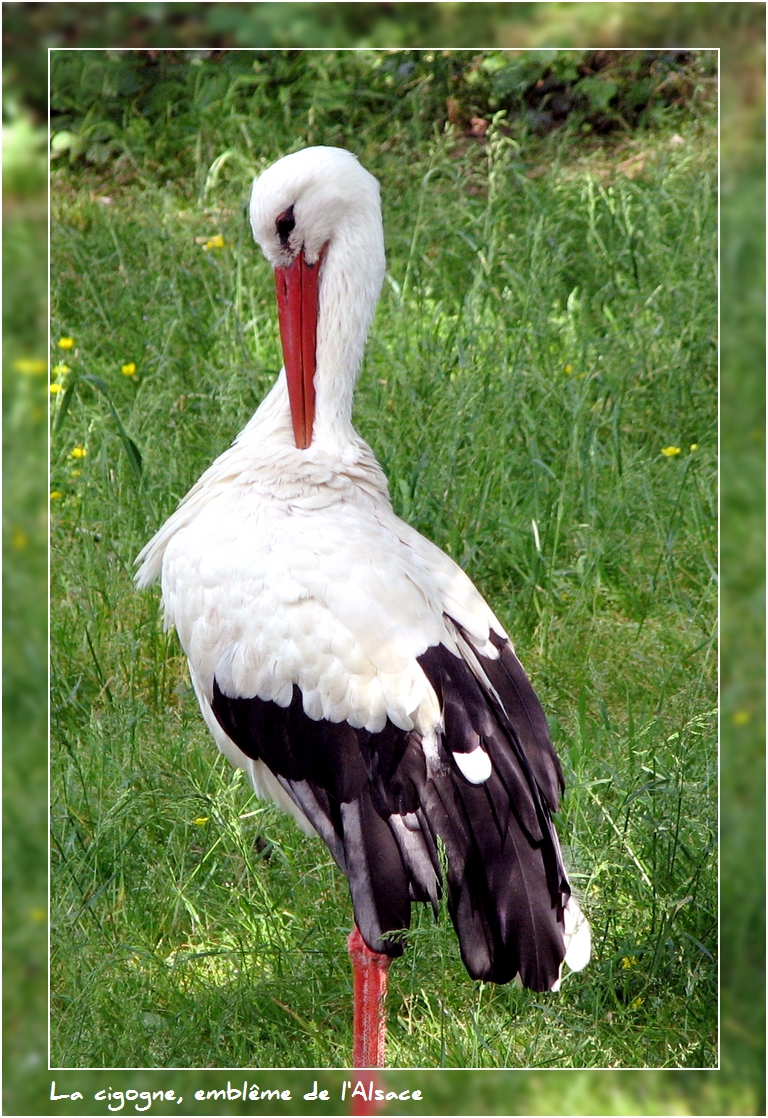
(294, 587)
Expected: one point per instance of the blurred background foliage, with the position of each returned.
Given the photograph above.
(607, 101)
(104, 104)
(28, 27)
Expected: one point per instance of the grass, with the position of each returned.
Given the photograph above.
(547, 329)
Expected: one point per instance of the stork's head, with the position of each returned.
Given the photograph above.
(316, 216)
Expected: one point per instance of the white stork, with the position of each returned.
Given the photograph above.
(342, 659)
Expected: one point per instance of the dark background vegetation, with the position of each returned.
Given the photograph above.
(577, 92)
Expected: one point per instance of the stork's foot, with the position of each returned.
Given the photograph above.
(370, 1014)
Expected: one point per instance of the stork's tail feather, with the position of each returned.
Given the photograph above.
(578, 936)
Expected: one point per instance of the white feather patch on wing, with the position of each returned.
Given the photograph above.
(475, 766)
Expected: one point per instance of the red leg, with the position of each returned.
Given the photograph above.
(370, 1016)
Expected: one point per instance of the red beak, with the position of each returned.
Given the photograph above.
(297, 298)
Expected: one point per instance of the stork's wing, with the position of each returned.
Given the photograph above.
(384, 805)
(506, 881)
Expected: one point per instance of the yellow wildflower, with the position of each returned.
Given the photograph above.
(741, 717)
(694, 446)
(670, 451)
(75, 473)
(129, 369)
(78, 452)
(628, 961)
(214, 242)
(569, 369)
(54, 388)
(61, 369)
(65, 343)
(201, 819)
(55, 495)
(636, 1003)
(30, 365)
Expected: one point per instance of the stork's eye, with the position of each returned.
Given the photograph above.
(284, 224)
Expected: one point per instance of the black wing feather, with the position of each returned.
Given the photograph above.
(384, 812)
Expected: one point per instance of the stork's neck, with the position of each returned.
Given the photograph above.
(350, 282)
